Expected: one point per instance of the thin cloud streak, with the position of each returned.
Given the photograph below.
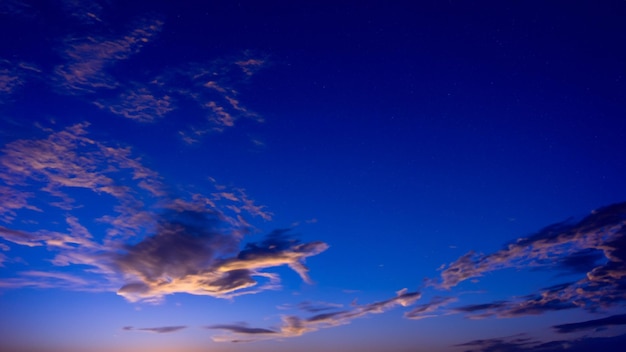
(521, 343)
(157, 330)
(293, 326)
(613, 320)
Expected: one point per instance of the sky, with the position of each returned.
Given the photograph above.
(222, 176)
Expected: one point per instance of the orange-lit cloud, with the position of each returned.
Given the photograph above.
(153, 244)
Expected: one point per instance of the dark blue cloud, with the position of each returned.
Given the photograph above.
(592, 324)
(522, 344)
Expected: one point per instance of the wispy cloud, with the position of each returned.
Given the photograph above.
(213, 88)
(70, 159)
(14, 75)
(293, 326)
(88, 12)
(250, 66)
(88, 58)
(313, 307)
(53, 279)
(603, 227)
(594, 247)
(157, 330)
(139, 104)
(15, 8)
(430, 309)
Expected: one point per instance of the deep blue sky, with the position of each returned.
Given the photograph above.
(182, 175)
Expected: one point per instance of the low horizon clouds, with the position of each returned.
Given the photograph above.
(153, 244)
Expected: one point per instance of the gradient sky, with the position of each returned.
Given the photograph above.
(186, 176)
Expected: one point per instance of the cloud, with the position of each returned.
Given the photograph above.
(153, 243)
(520, 344)
(293, 326)
(69, 159)
(139, 104)
(12, 200)
(595, 246)
(14, 75)
(213, 88)
(241, 329)
(555, 241)
(278, 249)
(158, 330)
(612, 320)
(316, 307)
(53, 279)
(430, 309)
(15, 8)
(88, 58)
(20, 237)
(190, 253)
(88, 12)
(250, 66)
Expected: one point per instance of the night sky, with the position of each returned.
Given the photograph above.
(398, 176)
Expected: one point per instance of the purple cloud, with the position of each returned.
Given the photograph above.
(157, 330)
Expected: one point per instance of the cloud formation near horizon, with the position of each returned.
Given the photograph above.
(293, 326)
(520, 343)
